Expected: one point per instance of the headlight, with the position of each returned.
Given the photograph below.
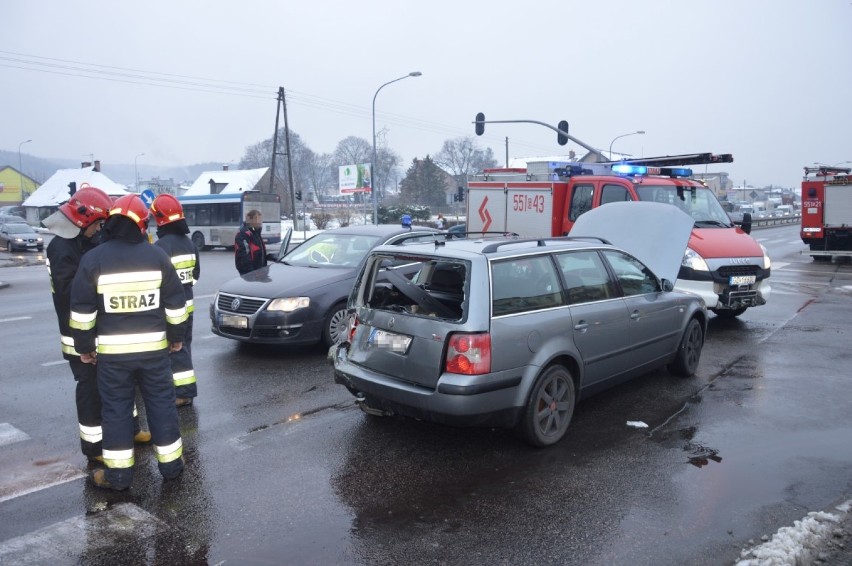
(694, 261)
(289, 304)
(767, 263)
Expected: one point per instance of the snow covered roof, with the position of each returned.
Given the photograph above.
(231, 181)
(55, 191)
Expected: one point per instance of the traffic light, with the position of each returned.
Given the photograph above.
(459, 196)
(480, 124)
(298, 195)
(561, 138)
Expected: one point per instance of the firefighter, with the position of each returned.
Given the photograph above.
(75, 225)
(128, 310)
(249, 249)
(172, 237)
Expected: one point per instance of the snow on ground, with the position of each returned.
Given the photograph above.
(800, 544)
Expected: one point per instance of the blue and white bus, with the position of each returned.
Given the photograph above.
(214, 219)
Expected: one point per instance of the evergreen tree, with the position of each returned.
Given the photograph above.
(425, 183)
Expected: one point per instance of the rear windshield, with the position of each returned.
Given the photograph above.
(427, 287)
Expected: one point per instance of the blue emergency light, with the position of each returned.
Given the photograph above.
(630, 169)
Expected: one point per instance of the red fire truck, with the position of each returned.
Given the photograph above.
(723, 264)
(827, 211)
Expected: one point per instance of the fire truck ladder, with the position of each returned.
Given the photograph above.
(676, 160)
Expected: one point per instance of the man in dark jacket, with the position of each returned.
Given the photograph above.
(249, 249)
(128, 310)
(74, 226)
(172, 237)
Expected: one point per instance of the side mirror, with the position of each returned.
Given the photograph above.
(668, 285)
(746, 225)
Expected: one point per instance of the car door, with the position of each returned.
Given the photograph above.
(655, 315)
(600, 321)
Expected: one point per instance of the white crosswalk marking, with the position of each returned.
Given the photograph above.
(11, 435)
(66, 541)
(15, 319)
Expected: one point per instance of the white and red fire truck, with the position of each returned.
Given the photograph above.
(723, 264)
(827, 212)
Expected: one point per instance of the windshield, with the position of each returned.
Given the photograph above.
(698, 202)
(19, 229)
(331, 249)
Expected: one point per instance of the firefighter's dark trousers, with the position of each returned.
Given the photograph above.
(117, 378)
(88, 406)
(183, 373)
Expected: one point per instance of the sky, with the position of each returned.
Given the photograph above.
(769, 81)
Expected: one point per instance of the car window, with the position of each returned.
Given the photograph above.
(524, 284)
(418, 286)
(581, 201)
(586, 278)
(614, 193)
(633, 276)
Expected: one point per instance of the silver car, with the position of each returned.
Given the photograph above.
(511, 332)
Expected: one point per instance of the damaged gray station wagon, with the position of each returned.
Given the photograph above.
(509, 332)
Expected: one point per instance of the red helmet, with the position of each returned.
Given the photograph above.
(86, 206)
(166, 209)
(132, 207)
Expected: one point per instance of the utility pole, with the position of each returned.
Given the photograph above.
(507, 152)
(275, 140)
(279, 104)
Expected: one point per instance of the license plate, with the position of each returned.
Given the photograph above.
(31, 245)
(389, 340)
(742, 279)
(233, 321)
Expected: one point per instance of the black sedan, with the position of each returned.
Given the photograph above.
(20, 236)
(301, 297)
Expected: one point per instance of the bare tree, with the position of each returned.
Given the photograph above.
(319, 171)
(388, 161)
(352, 151)
(462, 157)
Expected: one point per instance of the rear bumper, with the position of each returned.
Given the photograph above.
(452, 404)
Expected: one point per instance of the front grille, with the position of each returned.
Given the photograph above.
(247, 305)
(729, 270)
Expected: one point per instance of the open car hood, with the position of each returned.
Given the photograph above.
(656, 233)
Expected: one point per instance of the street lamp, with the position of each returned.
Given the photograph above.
(375, 164)
(136, 170)
(21, 168)
(621, 136)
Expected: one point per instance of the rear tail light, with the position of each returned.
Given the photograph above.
(469, 354)
(353, 325)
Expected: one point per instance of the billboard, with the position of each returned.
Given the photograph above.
(355, 179)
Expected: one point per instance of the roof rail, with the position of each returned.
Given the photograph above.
(541, 242)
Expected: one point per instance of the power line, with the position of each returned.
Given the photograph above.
(128, 75)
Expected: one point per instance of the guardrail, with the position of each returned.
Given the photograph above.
(765, 222)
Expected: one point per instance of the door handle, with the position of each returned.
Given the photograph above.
(581, 326)
(635, 315)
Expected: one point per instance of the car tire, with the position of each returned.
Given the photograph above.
(549, 408)
(729, 313)
(335, 324)
(41, 248)
(689, 352)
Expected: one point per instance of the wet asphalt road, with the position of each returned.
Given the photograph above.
(283, 469)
